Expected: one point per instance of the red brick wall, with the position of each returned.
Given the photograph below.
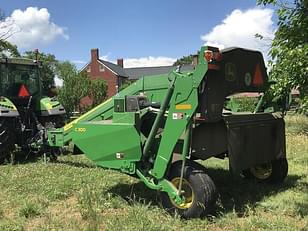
(105, 74)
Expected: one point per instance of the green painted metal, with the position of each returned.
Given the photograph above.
(259, 104)
(5, 103)
(46, 103)
(118, 147)
(159, 117)
(7, 108)
(185, 93)
(162, 185)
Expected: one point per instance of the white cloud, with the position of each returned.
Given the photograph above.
(148, 61)
(239, 29)
(78, 62)
(105, 56)
(32, 28)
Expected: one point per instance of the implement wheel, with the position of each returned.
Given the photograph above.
(273, 172)
(198, 190)
(7, 138)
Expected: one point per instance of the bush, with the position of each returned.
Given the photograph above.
(242, 104)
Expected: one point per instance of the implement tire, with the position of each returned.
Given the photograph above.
(198, 190)
(272, 172)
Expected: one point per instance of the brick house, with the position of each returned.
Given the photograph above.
(113, 74)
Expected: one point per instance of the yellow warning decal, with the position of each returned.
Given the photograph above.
(183, 107)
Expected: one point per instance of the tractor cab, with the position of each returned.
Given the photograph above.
(19, 80)
(24, 112)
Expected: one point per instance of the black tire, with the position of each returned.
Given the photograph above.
(195, 182)
(7, 138)
(276, 171)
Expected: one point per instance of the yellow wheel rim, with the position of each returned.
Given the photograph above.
(187, 193)
(262, 171)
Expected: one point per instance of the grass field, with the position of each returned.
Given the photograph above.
(73, 194)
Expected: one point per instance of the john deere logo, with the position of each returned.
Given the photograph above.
(230, 72)
(248, 79)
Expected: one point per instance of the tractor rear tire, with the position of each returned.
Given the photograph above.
(198, 189)
(7, 138)
(272, 172)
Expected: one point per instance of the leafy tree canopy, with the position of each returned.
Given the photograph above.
(97, 91)
(48, 69)
(77, 85)
(289, 49)
(184, 60)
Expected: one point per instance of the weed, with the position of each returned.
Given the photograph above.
(29, 210)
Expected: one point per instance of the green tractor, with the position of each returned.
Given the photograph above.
(25, 113)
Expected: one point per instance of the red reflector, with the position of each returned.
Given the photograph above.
(23, 92)
(257, 78)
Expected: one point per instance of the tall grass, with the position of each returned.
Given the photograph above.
(296, 123)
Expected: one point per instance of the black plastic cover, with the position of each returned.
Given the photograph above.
(255, 139)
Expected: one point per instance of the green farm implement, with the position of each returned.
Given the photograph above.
(158, 127)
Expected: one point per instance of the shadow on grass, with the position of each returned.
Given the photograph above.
(135, 193)
(25, 158)
(75, 164)
(235, 193)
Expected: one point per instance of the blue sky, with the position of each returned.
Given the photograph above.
(134, 30)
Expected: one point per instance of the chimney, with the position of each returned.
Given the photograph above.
(94, 54)
(120, 62)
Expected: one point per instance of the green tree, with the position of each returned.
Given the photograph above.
(289, 49)
(48, 69)
(97, 91)
(125, 84)
(76, 85)
(8, 48)
(184, 60)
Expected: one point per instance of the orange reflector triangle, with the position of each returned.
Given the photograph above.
(257, 78)
(23, 92)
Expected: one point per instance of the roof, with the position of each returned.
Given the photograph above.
(116, 68)
(135, 73)
(23, 61)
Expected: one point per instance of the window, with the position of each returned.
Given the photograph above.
(15, 75)
(89, 68)
(101, 68)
